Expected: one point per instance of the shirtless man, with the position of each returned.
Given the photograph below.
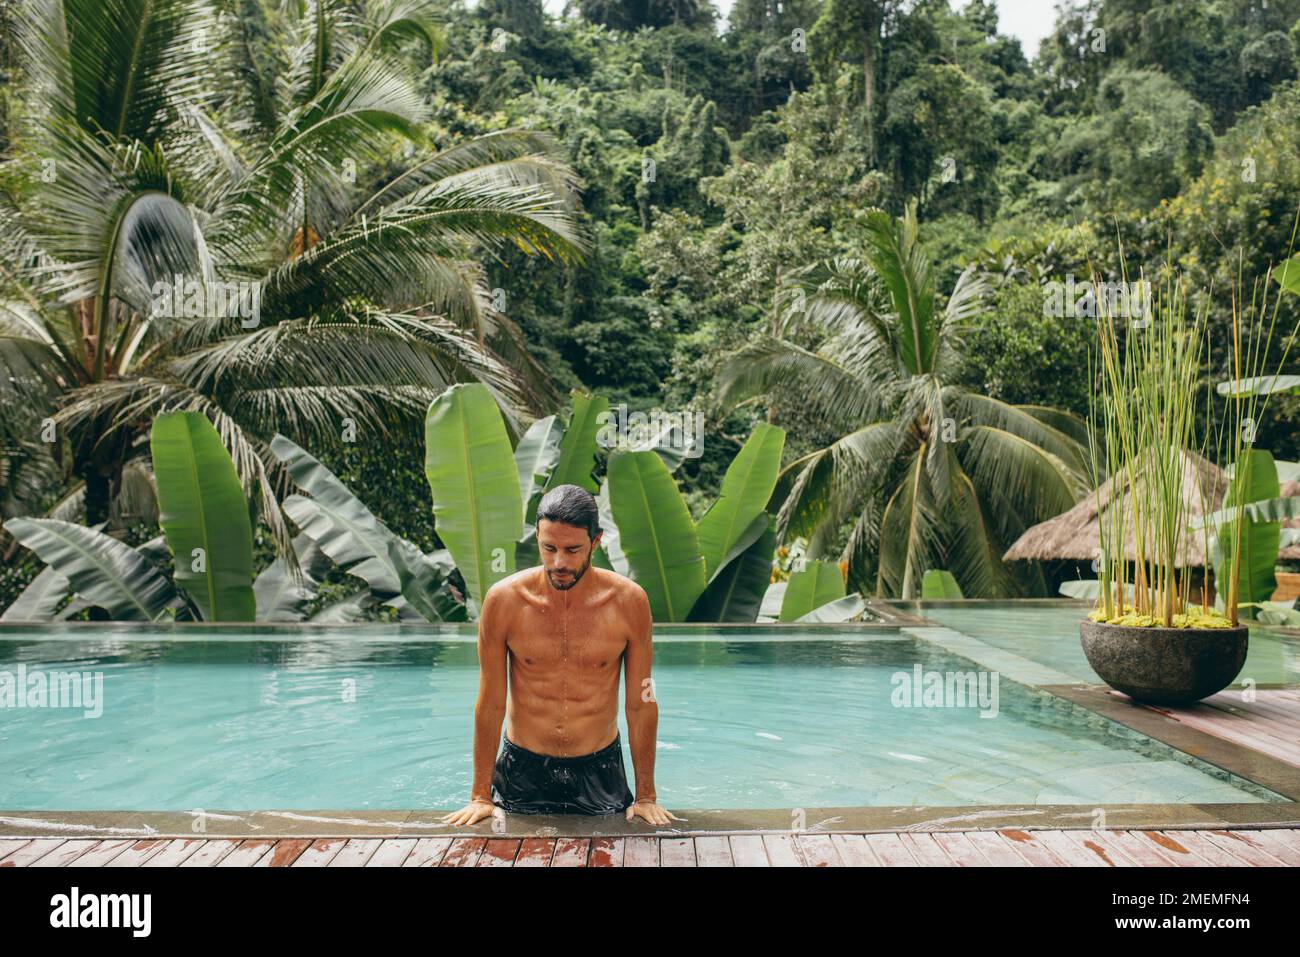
(564, 627)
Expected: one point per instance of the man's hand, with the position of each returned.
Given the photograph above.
(471, 813)
(651, 812)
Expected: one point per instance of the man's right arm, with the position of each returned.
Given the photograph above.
(490, 707)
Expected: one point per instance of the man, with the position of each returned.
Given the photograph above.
(564, 627)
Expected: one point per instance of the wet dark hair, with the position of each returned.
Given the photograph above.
(571, 505)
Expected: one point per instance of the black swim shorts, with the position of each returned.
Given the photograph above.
(524, 782)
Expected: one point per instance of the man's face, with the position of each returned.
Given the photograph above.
(566, 552)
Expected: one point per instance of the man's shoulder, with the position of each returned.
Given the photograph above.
(513, 584)
(625, 590)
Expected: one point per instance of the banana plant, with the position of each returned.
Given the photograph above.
(107, 573)
(940, 584)
(204, 516)
(818, 584)
(478, 506)
(1259, 537)
(397, 572)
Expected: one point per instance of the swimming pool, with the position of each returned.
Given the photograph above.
(382, 718)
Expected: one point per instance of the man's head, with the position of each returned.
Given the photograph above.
(568, 529)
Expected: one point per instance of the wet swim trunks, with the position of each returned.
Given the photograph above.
(525, 782)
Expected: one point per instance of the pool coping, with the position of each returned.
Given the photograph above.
(426, 823)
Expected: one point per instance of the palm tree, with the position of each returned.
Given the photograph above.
(279, 147)
(931, 475)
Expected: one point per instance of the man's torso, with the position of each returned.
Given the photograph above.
(565, 655)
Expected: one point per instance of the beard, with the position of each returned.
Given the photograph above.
(577, 577)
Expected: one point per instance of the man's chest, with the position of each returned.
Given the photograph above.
(542, 639)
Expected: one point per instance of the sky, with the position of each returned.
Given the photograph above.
(1030, 20)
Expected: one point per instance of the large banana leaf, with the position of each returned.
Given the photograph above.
(477, 507)
(350, 534)
(283, 596)
(1287, 275)
(610, 553)
(735, 591)
(536, 456)
(104, 571)
(938, 583)
(40, 599)
(204, 514)
(656, 533)
(745, 491)
(841, 609)
(819, 583)
(578, 448)
(1259, 539)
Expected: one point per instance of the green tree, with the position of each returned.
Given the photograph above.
(928, 474)
(153, 151)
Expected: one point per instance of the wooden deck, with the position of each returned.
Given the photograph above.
(1008, 847)
(1269, 724)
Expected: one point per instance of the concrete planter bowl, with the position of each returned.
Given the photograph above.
(1170, 666)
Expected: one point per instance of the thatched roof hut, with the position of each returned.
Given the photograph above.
(1075, 535)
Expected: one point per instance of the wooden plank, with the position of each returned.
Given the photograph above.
(890, 850)
(958, 846)
(1207, 851)
(818, 850)
(606, 852)
(1101, 846)
(641, 852)
(320, 853)
(248, 853)
(32, 851)
(535, 852)
(713, 852)
(1143, 850)
(676, 852)
(499, 852)
(464, 852)
(285, 852)
(9, 845)
(1027, 846)
(1075, 854)
(854, 850)
(356, 852)
(428, 852)
(781, 850)
(571, 852)
(925, 849)
(995, 850)
(1248, 852)
(1282, 844)
(211, 853)
(64, 854)
(102, 853)
(392, 852)
(1173, 849)
(747, 850)
(175, 853)
(139, 853)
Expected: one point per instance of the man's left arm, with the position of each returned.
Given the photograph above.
(642, 710)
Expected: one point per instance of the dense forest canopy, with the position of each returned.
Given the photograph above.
(714, 166)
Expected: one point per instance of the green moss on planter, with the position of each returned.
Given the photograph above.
(1195, 617)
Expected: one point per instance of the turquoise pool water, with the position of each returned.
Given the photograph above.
(1049, 635)
(749, 719)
